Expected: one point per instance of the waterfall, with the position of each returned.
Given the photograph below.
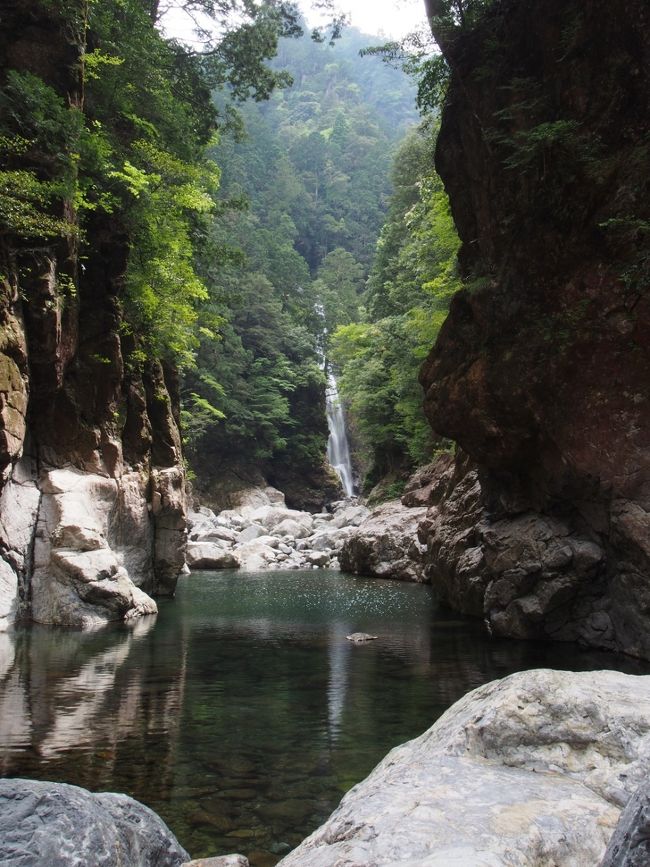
(338, 450)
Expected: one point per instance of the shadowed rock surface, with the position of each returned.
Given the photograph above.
(630, 843)
(92, 487)
(541, 370)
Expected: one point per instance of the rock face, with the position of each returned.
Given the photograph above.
(65, 826)
(541, 372)
(630, 843)
(531, 770)
(92, 489)
(386, 544)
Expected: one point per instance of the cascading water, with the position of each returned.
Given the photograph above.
(338, 449)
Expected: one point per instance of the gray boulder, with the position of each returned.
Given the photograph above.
(630, 843)
(208, 555)
(65, 826)
(386, 544)
(528, 771)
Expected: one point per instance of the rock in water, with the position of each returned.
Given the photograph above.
(385, 545)
(56, 825)
(531, 770)
(360, 637)
(630, 843)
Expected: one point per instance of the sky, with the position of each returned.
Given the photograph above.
(394, 18)
(389, 18)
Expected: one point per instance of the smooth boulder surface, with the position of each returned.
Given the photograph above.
(65, 826)
(385, 544)
(528, 771)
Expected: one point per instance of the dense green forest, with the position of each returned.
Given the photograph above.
(265, 229)
(304, 192)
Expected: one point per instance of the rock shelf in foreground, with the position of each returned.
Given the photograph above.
(528, 771)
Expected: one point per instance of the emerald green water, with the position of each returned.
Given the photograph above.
(241, 714)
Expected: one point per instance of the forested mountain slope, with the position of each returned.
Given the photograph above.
(305, 193)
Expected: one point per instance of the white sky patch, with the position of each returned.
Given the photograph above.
(391, 19)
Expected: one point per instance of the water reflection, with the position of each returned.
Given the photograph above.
(243, 714)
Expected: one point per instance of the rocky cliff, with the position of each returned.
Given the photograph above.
(541, 373)
(92, 508)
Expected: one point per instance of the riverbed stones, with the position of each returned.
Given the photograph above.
(264, 534)
(65, 826)
(530, 770)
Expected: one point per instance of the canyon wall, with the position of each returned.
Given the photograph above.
(92, 494)
(541, 372)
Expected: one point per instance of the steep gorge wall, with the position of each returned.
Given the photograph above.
(541, 373)
(92, 502)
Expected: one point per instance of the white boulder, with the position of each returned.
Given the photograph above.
(529, 771)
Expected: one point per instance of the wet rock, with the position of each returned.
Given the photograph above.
(65, 826)
(386, 545)
(361, 637)
(531, 769)
(527, 574)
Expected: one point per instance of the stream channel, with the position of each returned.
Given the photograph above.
(241, 714)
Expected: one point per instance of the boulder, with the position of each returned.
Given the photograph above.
(218, 534)
(386, 544)
(530, 770)
(220, 861)
(318, 558)
(351, 516)
(208, 555)
(256, 556)
(630, 843)
(330, 539)
(253, 531)
(292, 527)
(64, 826)
(93, 542)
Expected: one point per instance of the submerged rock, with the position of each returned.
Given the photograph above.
(530, 770)
(65, 826)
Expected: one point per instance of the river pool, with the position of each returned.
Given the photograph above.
(241, 714)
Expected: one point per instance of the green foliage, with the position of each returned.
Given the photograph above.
(38, 143)
(410, 285)
(314, 169)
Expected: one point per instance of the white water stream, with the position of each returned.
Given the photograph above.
(338, 449)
